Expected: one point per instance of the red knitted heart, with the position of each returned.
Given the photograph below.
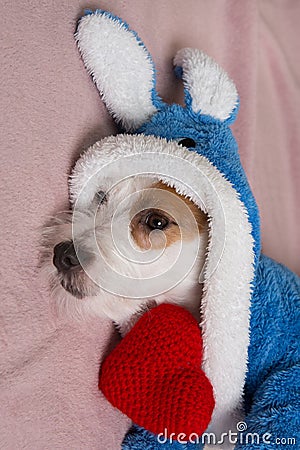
(154, 375)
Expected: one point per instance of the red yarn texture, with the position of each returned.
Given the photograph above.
(154, 374)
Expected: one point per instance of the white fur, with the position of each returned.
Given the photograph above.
(118, 277)
(229, 264)
(121, 68)
(212, 91)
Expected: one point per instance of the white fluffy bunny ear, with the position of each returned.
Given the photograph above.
(208, 88)
(121, 67)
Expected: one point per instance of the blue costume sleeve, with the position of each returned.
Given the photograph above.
(272, 391)
(273, 421)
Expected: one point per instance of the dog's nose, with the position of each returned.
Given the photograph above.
(65, 257)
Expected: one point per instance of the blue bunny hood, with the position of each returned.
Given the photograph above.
(225, 196)
(210, 174)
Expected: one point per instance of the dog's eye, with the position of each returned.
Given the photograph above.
(101, 197)
(187, 142)
(156, 221)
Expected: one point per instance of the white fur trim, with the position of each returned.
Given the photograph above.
(212, 91)
(120, 66)
(229, 267)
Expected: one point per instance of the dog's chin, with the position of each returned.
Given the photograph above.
(73, 290)
(75, 285)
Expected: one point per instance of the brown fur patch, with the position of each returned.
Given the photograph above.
(181, 224)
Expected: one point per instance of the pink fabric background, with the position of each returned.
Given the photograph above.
(50, 111)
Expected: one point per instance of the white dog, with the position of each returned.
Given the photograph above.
(137, 241)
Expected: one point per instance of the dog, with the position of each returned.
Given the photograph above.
(136, 229)
(135, 239)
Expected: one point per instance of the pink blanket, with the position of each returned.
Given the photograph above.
(51, 111)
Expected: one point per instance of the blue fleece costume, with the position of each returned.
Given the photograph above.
(264, 304)
(272, 392)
